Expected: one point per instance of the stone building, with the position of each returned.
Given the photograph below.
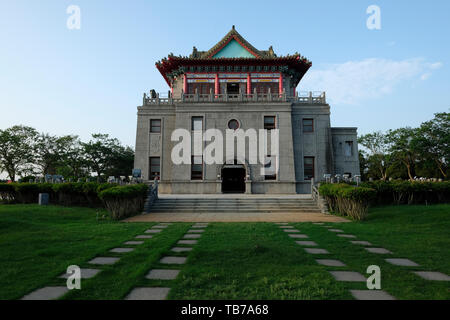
(234, 86)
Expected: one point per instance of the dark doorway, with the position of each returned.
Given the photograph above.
(233, 179)
(233, 88)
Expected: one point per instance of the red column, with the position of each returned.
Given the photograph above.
(249, 83)
(185, 88)
(280, 84)
(217, 84)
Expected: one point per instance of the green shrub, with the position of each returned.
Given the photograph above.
(124, 201)
(7, 192)
(26, 192)
(347, 199)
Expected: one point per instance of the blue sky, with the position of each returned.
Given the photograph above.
(90, 80)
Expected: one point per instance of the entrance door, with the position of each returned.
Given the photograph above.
(233, 179)
(233, 87)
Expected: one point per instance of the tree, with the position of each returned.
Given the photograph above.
(105, 155)
(433, 142)
(377, 156)
(404, 147)
(16, 150)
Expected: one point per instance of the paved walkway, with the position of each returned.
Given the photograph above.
(236, 217)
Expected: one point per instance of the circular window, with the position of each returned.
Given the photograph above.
(233, 124)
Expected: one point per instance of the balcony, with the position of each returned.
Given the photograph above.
(299, 98)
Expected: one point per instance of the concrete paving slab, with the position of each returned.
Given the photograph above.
(159, 227)
(153, 231)
(319, 223)
(148, 294)
(350, 236)
(291, 230)
(286, 227)
(298, 236)
(350, 276)
(196, 231)
(104, 260)
(173, 260)
(402, 262)
(133, 243)
(187, 242)
(86, 273)
(371, 295)
(432, 275)
(181, 249)
(144, 236)
(330, 262)
(336, 230)
(362, 243)
(378, 250)
(121, 250)
(46, 293)
(282, 223)
(306, 243)
(192, 236)
(162, 274)
(316, 251)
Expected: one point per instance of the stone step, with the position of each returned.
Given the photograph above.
(193, 210)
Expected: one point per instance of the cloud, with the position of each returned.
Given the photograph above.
(353, 82)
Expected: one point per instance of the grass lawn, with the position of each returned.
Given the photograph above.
(231, 260)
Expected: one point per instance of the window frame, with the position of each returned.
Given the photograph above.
(192, 123)
(150, 171)
(153, 126)
(194, 176)
(307, 126)
(313, 168)
(274, 122)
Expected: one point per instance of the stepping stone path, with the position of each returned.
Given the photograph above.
(350, 236)
(319, 223)
(173, 260)
(371, 295)
(402, 262)
(133, 243)
(192, 236)
(121, 250)
(151, 293)
(330, 262)
(336, 230)
(181, 249)
(307, 243)
(316, 251)
(162, 274)
(104, 260)
(153, 231)
(432, 275)
(291, 230)
(49, 293)
(46, 293)
(298, 236)
(348, 276)
(286, 227)
(363, 243)
(148, 294)
(281, 223)
(143, 236)
(85, 273)
(378, 250)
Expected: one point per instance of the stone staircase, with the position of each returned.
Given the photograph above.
(233, 205)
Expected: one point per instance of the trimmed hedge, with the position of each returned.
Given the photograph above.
(406, 192)
(124, 201)
(347, 199)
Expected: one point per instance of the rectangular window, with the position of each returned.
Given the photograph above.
(197, 123)
(197, 168)
(269, 122)
(308, 125)
(348, 148)
(308, 168)
(270, 172)
(155, 125)
(155, 168)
